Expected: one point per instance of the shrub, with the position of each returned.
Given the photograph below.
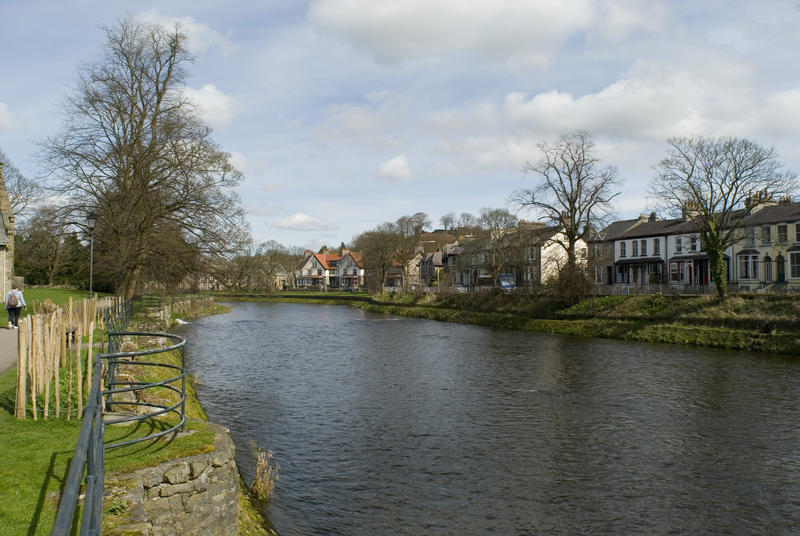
(263, 485)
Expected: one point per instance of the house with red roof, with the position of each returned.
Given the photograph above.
(330, 271)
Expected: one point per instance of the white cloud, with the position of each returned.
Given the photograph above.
(375, 122)
(395, 169)
(303, 222)
(216, 108)
(528, 32)
(780, 114)
(201, 36)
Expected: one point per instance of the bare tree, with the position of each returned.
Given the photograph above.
(134, 151)
(409, 230)
(378, 248)
(448, 221)
(467, 221)
(499, 229)
(717, 183)
(573, 191)
(22, 191)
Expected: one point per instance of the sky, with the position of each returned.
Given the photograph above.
(344, 114)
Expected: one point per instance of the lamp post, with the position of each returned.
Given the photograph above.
(91, 221)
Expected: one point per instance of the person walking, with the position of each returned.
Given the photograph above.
(15, 301)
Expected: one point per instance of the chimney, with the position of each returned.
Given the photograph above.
(642, 218)
(307, 253)
(652, 217)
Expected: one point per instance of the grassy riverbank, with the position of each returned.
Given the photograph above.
(37, 453)
(743, 322)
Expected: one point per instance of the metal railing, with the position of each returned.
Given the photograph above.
(117, 386)
(90, 450)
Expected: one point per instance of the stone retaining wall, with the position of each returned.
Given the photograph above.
(196, 495)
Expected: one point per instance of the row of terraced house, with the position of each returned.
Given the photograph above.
(639, 255)
(651, 255)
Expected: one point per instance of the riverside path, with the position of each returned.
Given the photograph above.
(8, 348)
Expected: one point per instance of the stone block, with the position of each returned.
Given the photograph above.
(154, 505)
(198, 466)
(177, 474)
(152, 478)
(169, 491)
(194, 503)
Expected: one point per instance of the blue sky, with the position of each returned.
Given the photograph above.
(344, 114)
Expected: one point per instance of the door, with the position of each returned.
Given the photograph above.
(781, 262)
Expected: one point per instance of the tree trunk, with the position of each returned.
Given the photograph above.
(716, 262)
(129, 284)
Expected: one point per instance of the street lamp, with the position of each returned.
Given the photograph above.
(91, 221)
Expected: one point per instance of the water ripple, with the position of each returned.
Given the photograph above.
(387, 425)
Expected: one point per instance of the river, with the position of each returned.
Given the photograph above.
(385, 425)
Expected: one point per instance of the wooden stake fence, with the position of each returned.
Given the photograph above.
(49, 340)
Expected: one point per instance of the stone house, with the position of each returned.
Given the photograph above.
(6, 236)
(651, 255)
(768, 252)
(330, 271)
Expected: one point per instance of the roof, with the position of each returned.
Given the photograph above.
(326, 259)
(614, 229)
(659, 227)
(639, 260)
(780, 213)
(539, 235)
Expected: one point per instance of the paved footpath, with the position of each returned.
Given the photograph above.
(8, 348)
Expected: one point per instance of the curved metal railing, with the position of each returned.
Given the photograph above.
(90, 450)
(118, 386)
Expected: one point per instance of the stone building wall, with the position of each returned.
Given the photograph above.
(6, 237)
(196, 495)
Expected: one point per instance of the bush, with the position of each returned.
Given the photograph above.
(571, 286)
(263, 485)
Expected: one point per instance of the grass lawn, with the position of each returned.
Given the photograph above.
(37, 453)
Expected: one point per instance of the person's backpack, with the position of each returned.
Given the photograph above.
(13, 301)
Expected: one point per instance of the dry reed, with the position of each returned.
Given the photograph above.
(263, 485)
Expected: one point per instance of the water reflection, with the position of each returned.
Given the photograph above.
(388, 425)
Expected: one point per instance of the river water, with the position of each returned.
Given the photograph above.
(386, 425)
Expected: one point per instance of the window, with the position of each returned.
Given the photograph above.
(765, 235)
(748, 267)
(783, 234)
(767, 269)
(677, 244)
(644, 248)
(634, 248)
(750, 237)
(622, 249)
(797, 233)
(598, 275)
(355, 271)
(657, 246)
(677, 272)
(794, 265)
(319, 272)
(744, 267)
(693, 243)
